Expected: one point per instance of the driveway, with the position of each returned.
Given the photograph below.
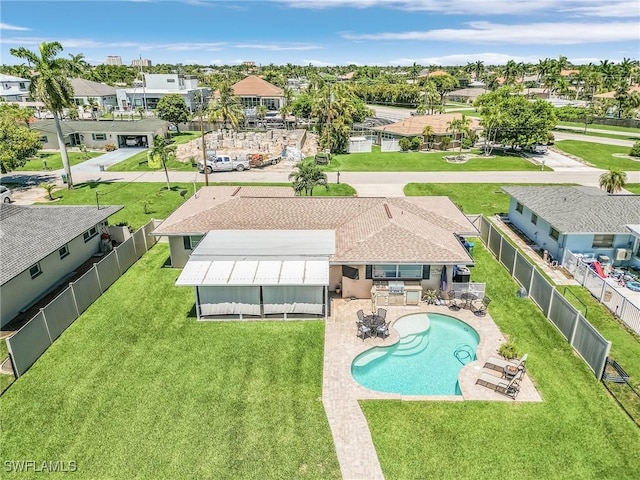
(106, 160)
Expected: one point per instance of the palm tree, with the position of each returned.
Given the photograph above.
(307, 177)
(160, 150)
(428, 133)
(478, 69)
(51, 86)
(227, 108)
(459, 125)
(614, 180)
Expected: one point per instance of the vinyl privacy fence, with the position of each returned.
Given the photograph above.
(581, 335)
(604, 292)
(32, 340)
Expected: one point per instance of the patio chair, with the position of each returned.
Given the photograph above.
(382, 314)
(455, 301)
(510, 388)
(361, 316)
(481, 310)
(363, 331)
(507, 366)
(383, 330)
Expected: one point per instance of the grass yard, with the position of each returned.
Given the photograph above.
(137, 388)
(633, 187)
(485, 198)
(377, 161)
(184, 136)
(599, 155)
(578, 431)
(54, 160)
(144, 201)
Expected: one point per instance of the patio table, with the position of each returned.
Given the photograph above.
(468, 298)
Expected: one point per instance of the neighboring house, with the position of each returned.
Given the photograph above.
(104, 96)
(156, 86)
(254, 91)
(121, 133)
(583, 220)
(414, 126)
(466, 95)
(41, 246)
(13, 89)
(612, 94)
(354, 242)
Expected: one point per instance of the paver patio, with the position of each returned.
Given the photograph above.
(341, 393)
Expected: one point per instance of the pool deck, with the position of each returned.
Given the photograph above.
(341, 393)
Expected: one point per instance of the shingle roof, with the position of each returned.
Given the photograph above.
(367, 229)
(415, 125)
(579, 209)
(11, 78)
(144, 126)
(253, 86)
(87, 88)
(30, 233)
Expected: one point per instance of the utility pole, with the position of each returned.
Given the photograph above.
(204, 143)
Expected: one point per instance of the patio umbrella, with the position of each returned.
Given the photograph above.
(443, 279)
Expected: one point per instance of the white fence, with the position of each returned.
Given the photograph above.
(359, 145)
(603, 291)
(389, 145)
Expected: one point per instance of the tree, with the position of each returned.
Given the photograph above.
(173, 109)
(49, 188)
(459, 126)
(227, 107)
(428, 133)
(613, 180)
(306, 177)
(635, 150)
(16, 113)
(50, 85)
(17, 144)
(160, 150)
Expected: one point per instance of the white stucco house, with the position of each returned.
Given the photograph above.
(156, 85)
(13, 89)
(260, 251)
(583, 220)
(84, 91)
(40, 247)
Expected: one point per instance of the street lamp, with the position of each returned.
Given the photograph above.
(204, 143)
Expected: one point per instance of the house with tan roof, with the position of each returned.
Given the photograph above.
(254, 91)
(414, 126)
(252, 243)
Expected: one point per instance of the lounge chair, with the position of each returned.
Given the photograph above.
(510, 388)
(503, 366)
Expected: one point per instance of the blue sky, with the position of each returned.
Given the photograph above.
(327, 32)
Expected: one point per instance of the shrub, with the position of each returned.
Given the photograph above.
(508, 350)
(635, 150)
(551, 138)
(109, 147)
(415, 143)
(405, 144)
(48, 187)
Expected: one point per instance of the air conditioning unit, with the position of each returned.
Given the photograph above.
(628, 255)
(621, 254)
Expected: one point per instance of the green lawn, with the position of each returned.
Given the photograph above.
(377, 161)
(633, 187)
(599, 155)
(54, 160)
(137, 388)
(578, 431)
(184, 137)
(485, 198)
(162, 201)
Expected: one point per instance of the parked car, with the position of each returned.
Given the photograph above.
(5, 194)
(132, 141)
(223, 163)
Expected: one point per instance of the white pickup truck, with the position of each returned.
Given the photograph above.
(223, 163)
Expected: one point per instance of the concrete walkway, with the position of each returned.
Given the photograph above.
(105, 160)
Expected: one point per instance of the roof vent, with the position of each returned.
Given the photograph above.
(386, 209)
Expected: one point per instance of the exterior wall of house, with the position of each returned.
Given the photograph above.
(584, 244)
(179, 255)
(538, 233)
(106, 101)
(14, 90)
(22, 291)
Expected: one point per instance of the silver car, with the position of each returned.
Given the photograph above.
(5, 194)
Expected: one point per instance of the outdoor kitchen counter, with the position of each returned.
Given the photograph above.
(411, 295)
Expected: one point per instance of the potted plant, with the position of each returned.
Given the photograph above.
(430, 297)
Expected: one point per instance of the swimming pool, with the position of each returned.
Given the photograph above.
(426, 361)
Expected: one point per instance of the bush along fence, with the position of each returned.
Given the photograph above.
(604, 292)
(581, 335)
(32, 340)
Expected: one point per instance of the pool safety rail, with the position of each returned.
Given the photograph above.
(586, 340)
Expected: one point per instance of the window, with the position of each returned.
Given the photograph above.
(44, 139)
(171, 80)
(191, 241)
(534, 218)
(64, 251)
(23, 86)
(89, 234)
(519, 207)
(392, 271)
(99, 136)
(553, 233)
(35, 270)
(602, 241)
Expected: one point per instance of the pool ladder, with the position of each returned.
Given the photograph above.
(464, 353)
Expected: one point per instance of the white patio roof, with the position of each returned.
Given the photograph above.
(200, 273)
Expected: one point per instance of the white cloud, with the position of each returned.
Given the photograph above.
(317, 63)
(6, 26)
(85, 43)
(525, 34)
(611, 8)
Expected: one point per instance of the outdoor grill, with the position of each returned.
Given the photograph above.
(396, 288)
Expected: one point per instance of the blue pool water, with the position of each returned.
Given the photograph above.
(426, 361)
